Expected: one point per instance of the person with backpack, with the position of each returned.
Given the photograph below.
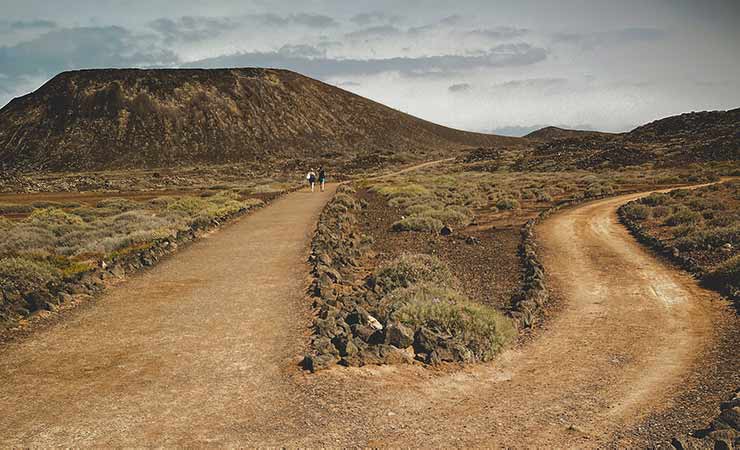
(322, 178)
(311, 177)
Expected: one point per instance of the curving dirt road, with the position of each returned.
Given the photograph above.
(203, 350)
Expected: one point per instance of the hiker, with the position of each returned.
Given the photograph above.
(322, 177)
(311, 177)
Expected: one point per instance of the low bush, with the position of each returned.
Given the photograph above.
(710, 238)
(481, 329)
(24, 274)
(12, 208)
(507, 204)
(408, 269)
(417, 223)
(655, 199)
(726, 274)
(683, 216)
(636, 211)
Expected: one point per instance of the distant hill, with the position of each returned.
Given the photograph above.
(677, 140)
(549, 134)
(130, 118)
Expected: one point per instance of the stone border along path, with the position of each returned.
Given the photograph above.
(204, 350)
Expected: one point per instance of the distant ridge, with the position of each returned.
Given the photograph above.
(131, 118)
(548, 134)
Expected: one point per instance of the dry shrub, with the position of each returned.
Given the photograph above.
(417, 223)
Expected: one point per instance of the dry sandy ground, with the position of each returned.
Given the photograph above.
(203, 350)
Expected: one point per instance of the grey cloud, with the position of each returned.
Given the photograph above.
(348, 84)
(461, 87)
(314, 20)
(614, 37)
(532, 82)
(452, 20)
(192, 29)
(365, 19)
(30, 24)
(301, 51)
(498, 33)
(507, 55)
(378, 32)
(76, 48)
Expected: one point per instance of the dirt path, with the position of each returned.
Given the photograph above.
(203, 350)
(192, 351)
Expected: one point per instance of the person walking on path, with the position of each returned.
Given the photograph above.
(311, 177)
(322, 178)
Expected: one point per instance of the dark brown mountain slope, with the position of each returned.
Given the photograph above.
(101, 119)
(673, 141)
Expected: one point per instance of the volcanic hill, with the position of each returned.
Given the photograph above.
(131, 118)
(695, 137)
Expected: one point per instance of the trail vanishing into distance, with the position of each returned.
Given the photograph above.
(204, 348)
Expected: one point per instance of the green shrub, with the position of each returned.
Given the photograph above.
(507, 203)
(713, 237)
(417, 223)
(683, 216)
(118, 204)
(481, 329)
(25, 274)
(189, 205)
(408, 269)
(724, 221)
(660, 211)
(54, 216)
(655, 199)
(408, 190)
(726, 274)
(543, 196)
(12, 208)
(636, 211)
(345, 200)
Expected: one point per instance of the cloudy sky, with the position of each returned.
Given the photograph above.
(483, 65)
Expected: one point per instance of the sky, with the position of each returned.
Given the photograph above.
(482, 65)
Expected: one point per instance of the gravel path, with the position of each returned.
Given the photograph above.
(203, 350)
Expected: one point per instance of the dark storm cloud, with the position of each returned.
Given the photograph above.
(607, 38)
(508, 55)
